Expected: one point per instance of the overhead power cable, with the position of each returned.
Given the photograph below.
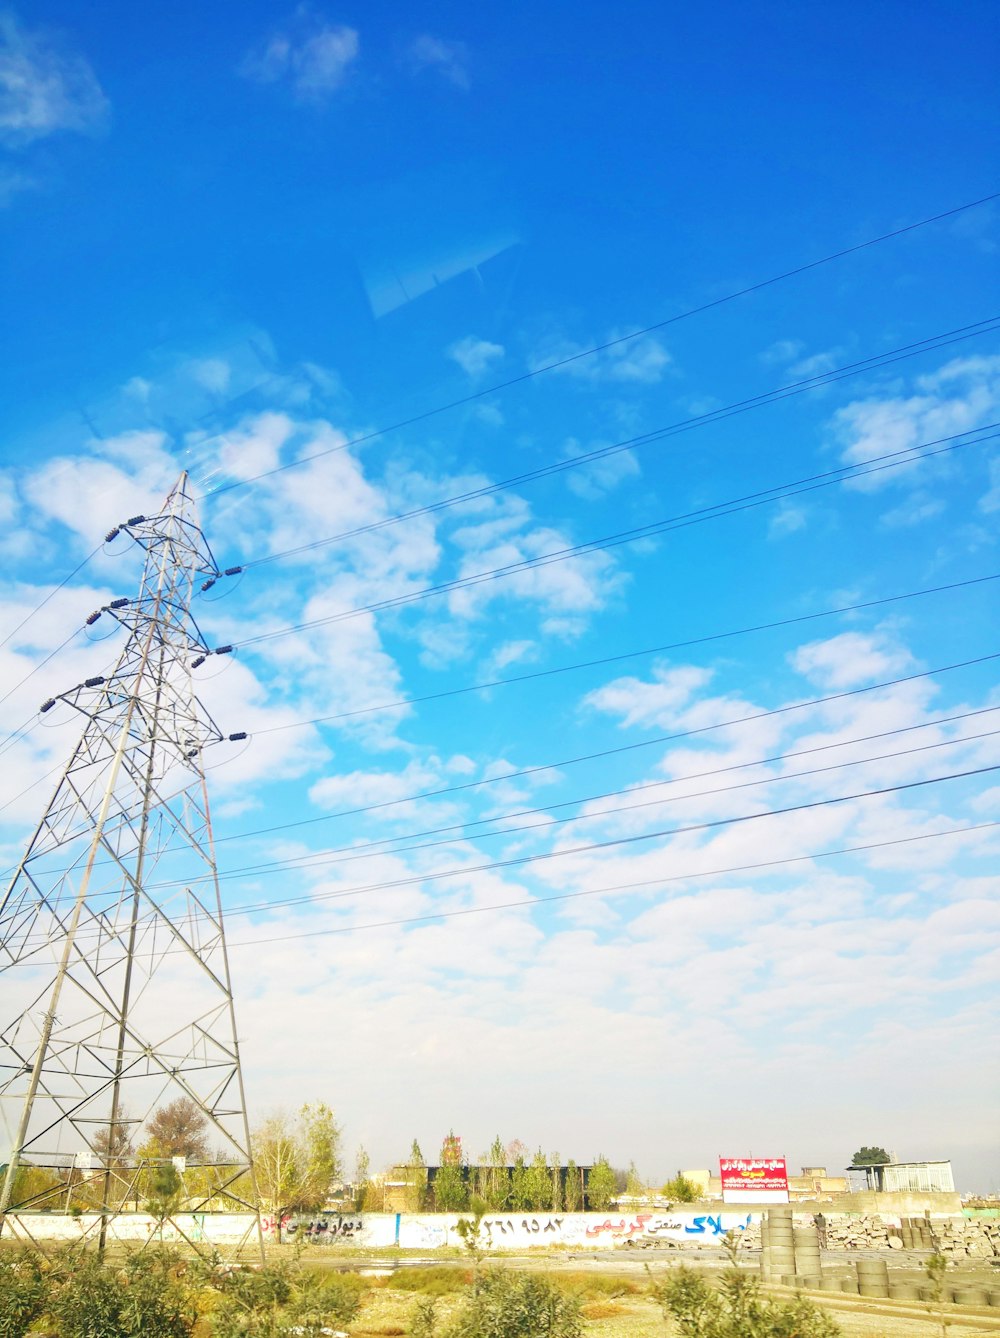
(614, 843)
(323, 859)
(473, 396)
(659, 434)
(717, 511)
(665, 881)
(618, 750)
(628, 655)
(54, 591)
(391, 845)
(519, 861)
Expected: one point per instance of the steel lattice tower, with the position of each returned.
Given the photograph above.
(112, 928)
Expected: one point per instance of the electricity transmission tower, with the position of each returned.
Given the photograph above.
(111, 933)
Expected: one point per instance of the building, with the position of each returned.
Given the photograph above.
(908, 1177)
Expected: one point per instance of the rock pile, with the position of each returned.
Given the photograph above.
(965, 1237)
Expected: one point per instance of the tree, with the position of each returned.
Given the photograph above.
(296, 1160)
(538, 1182)
(362, 1166)
(113, 1145)
(634, 1187)
(866, 1156)
(600, 1185)
(181, 1130)
(450, 1194)
(557, 1196)
(520, 1186)
(573, 1196)
(416, 1179)
(681, 1189)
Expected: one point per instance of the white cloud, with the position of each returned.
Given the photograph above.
(989, 503)
(962, 395)
(597, 478)
(638, 360)
(913, 511)
(788, 519)
(656, 702)
(475, 356)
(448, 59)
(44, 86)
(851, 658)
(313, 58)
(782, 351)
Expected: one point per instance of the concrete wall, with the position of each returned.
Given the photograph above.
(907, 1205)
(412, 1231)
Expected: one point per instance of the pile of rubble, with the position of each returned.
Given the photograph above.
(965, 1237)
(844, 1232)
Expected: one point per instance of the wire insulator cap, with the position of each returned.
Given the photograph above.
(112, 534)
(240, 734)
(223, 650)
(207, 585)
(94, 682)
(47, 706)
(232, 571)
(118, 603)
(196, 663)
(94, 617)
(135, 520)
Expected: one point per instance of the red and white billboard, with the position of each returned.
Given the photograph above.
(754, 1179)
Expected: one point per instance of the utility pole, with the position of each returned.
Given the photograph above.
(111, 931)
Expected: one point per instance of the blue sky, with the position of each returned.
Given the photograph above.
(234, 238)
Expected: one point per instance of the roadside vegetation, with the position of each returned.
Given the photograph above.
(158, 1293)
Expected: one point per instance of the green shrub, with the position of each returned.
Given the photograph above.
(735, 1308)
(516, 1305)
(422, 1324)
(22, 1293)
(276, 1300)
(144, 1296)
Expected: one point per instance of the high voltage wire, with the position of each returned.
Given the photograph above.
(627, 655)
(320, 859)
(618, 887)
(618, 750)
(390, 845)
(613, 343)
(38, 607)
(659, 434)
(519, 861)
(718, 511)
(562, 362)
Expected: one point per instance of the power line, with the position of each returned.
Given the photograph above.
(719, 510)
(472, 397)
(54, 591)
(628, 655)
(388, 845)
(544, 856)
(619, 887)
(320, 859)
(616, 751)
(518, 861)
(658, 434)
